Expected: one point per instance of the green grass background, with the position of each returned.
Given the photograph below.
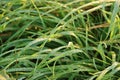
(59, 40)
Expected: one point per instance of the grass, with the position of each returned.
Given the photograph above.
(59, 40)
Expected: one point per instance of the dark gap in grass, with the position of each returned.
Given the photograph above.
(15, 6)
(52, 45)
(97, 18)
(117, 75)
(98, 32)
(7, 49)
(68, 38)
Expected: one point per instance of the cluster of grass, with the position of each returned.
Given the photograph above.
(59, 40)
